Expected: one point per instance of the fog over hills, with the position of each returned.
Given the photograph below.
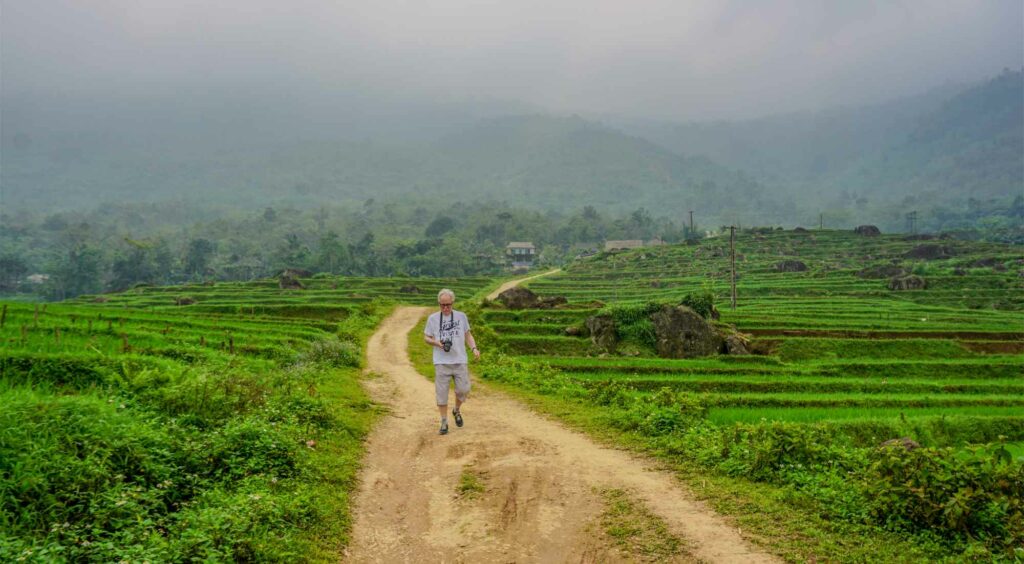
(949, 144)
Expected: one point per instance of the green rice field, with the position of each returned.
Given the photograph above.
(840, 362)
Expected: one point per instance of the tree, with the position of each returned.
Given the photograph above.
(76, 273)
(134, 266)
(332, 256)
(12, 269)
(439, 227)
(198, 255)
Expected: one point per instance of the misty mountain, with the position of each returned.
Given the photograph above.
(960, 141)
(538, 162)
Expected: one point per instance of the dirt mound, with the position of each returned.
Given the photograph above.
(867, 231)
(930, 252)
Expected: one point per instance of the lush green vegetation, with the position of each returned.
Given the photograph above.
(225, 430)
(841, 365)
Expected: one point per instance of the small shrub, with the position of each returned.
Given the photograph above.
(332, 352)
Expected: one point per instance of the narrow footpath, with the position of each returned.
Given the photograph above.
(541, 480)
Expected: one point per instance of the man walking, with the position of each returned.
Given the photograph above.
(448, 332)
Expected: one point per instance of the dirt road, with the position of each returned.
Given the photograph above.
(540, 479)
(513, 283)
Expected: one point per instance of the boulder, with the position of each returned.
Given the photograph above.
(410, 289)
(902, 442)
(799, 230)
(929, 252)
(790, 266)
(602, 332)
(882, 271)
(867, 231)
(518, 298)
(184, 300)
(736, 344)
(911, 282)
(288, 282)
(551, 302)
(573, 331)
(683, 333)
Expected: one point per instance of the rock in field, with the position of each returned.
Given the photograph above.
(735, 344)
(929, 252)
(867, 231)
(602, 332)
(683, 333)
(911, 282)
(518, 298)
(790, 266)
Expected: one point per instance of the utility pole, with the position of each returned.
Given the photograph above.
(691, 223)
(821, 221)
(732, 259)
(911, 220)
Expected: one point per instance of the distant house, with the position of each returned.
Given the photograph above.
(38, 278)
(520, 253)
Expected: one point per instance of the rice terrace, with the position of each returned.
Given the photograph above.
(227, 421)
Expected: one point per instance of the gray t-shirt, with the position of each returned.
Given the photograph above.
(454, 327)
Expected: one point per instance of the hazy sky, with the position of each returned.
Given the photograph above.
(676, 59)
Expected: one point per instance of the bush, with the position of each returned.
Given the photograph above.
(332, 352)
(973, 497)
(703, 303)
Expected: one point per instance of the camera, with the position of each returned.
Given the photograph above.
(446, 345)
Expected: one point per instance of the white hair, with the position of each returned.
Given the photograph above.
(446, 291)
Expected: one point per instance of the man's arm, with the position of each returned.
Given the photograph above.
(472, 344)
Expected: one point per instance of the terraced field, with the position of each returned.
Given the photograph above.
(228, 429)
(837, 354)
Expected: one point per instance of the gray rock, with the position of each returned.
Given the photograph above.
(930, 252)
(735, 344)
(518, 298)
(790, 266)
(602, 332)
(683, 333)
(911, 282)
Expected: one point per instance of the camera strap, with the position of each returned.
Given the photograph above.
(440, 321)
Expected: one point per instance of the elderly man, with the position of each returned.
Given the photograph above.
(448, 332)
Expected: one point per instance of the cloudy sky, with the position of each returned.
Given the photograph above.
(677, 59)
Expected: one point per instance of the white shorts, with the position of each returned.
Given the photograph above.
(443, 374)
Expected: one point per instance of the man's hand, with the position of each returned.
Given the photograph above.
(476, 353)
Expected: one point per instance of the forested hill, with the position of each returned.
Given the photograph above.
(537, 162)
(972, 146)
(560, 163)
(950, 144)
